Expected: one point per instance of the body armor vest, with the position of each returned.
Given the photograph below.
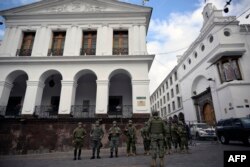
(156, 126)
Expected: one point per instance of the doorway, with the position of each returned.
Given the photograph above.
(115, 104)
(14, 106)
(208, 114)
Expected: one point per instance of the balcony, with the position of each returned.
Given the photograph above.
(87, 51)
(46, 111)
(120, 51)
(55, 52)
(124, 111)
(10, 112)
(23, 52)
(83, 111)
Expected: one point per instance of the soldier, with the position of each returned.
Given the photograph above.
(157, 132)
(174, 133)
(78, 135)
(96, 134)
(183, 133)
(130, 132)
(114, 134)
(168, 137)
(146, 138)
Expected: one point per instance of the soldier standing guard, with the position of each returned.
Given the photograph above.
(130, 132)
(114, 134)
(78, 135)
(96, 134)
(157, 132)
(168, 137)
(183, 133)
(146, 138)
(174, 133)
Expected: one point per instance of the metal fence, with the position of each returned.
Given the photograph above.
(124, 111)
(83, 111)
(46, 111)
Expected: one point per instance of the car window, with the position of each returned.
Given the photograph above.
(246, 122)
(237, 123)
(203, 126)
(227, 122)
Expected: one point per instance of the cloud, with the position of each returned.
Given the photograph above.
(179, 30)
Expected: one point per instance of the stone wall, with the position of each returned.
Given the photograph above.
(24, 136)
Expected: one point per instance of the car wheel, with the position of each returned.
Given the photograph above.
(223, 139)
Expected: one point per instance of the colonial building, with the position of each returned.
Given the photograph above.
(82, 58)
(214, 73)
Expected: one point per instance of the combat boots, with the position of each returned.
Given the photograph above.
(98, 155)
(161, 162)
(79, 154)
(75, 151)
(111, 155)
(153, 163)
(116, 153)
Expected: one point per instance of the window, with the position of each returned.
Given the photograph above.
(171, 81)
(27, 44)
(229, 69)
(179, 102)
(88, 43)
(189, 61)
(163, 88)
(173, 105)
(169, 108)
(57, 44)
(164, 99)
(177, 89)
(120, 43)
(158, 105)
(195, 54)
(172, 93)
(161, 102)
(166, 84)
(184, 66)
(165, 111)
(175, 76)
(168, 96)
(227, 32)
(211, 39)
(202, 47)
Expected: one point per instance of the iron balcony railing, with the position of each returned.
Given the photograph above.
(50, 111)
(55, 52)
(83, 111)
(124, 111)
(11, 112)
(120, 51)
(23, 52)
(87, 51)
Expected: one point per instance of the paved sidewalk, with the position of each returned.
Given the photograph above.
(205, 154)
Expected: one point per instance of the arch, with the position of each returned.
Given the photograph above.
(14, 74)
(120, 71)
(199, 85)
(48, 73)
(83, 72)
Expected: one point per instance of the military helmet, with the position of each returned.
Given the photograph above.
(114, 122)
(155, 113)
(97, 122)
(79, 123)
(130, 121)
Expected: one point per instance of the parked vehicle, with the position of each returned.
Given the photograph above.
(202, 131)
(233, 129)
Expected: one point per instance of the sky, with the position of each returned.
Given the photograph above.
(174, 25)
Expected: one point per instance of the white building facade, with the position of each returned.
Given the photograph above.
(78, 57)
(214, 73)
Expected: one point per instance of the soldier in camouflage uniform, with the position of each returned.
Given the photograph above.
(96, 134)
(174, 133)
(130, 132)
(78, 135)
(146, 138)
(114, 134)
(157, 132)
(183, 133)
(168, 138)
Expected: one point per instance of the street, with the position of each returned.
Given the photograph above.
(203, 154)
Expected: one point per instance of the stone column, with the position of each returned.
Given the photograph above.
(70, 41)
(100, 42)
(131, 41)
(16, 43)
(33, 97)
(143, 49)
(39, 41)
(140, 93)
(102, 94)
(67, 98)
(5, 89)
(46, 43)
(9, 41)
(136, 38)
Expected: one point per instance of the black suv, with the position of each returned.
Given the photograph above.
(235, 129)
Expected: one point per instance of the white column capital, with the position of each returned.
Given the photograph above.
(102, 82)
(6, 84)
(140, 82)
(35, 83)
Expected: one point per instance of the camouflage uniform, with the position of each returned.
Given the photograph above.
(168, 137)
(130, 132)
(183, 133)
(96, 134)
(114, 134)
(146, 138)
(78, 135)
(175, 135)
(157, 131)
